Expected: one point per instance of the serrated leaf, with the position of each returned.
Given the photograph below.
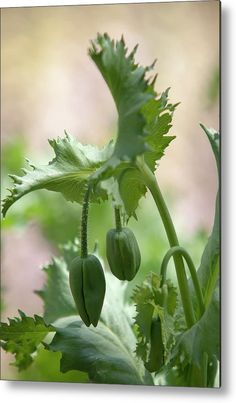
(158, 115)
(130, 91)
(56, 294)
(67, 173)
(99, 352)
(22, 336)
(144, 118)
(152, 300)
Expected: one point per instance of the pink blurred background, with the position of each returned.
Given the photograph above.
(49, 84)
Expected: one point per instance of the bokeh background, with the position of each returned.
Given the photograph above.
(49, 85)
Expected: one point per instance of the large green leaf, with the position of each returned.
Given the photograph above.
(67, 173)
(144, 119)
(98, 351)
(130, 91)
(22, 336)
(106, 352)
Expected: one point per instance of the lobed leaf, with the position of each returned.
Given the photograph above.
(22, 336)
(144, 118)
(152, 300)
(67, 173)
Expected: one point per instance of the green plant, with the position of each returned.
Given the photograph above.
(165, 334)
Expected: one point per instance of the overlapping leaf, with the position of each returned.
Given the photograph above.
(22, 336)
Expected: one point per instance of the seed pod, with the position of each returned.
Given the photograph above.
(87, 284)
(123, 253)
(156, 355)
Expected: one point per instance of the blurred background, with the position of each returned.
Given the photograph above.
(49, 85)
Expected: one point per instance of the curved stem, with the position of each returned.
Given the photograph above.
(187, 257)
(151, 182)
(84, 224)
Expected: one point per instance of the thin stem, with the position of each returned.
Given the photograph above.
(187, 257)
(84, 224)
(117, 218)
(151, 182)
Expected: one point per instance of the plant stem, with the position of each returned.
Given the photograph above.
(117, 218)
(151, 182)
(187, 257)
(84, 224)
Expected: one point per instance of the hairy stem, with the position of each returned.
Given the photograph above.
(171, 252)
(117, 219)
(151, 182)
(84, 224)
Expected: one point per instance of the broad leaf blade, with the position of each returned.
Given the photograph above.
(130, 91)
(97, 351)
(22, 336)
(144, 118)
(143, 121)
(67, 173)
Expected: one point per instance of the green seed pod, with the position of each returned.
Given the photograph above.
(123, 253)
(156, 355)
(87, 284)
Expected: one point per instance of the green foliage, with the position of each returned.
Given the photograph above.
(67, 173)
(56, 295)
(123, 345)
(22, 336)
(153, 301)
(143, 123)
(202, 338)
(97, 351)
(46, 368)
